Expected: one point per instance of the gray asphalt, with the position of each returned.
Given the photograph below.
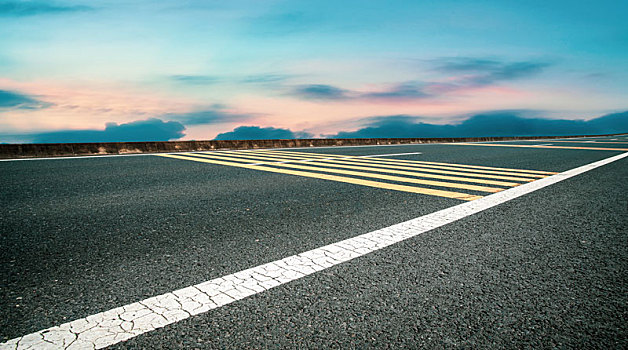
(548, 269)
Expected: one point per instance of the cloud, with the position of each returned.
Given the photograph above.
(396, 126)
(487, 124)
(614, 123)
(382, 120)
(320, 92)
(324, 92)
(141, 130)
(265, 78)
(499, 123)
(16, 100)
(195, 79)
(462, 74)
(465, 64)
(486, 71)
(408, 90)
(259, 133)
(192, 79)
(209, 116)
(31, 8)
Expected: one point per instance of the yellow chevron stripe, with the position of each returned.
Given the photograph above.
(452, 167)
(380, 170)
(403, 188)
(262, 156)
(425, 162)
(380, 176)
(418, 165)
(488, 176)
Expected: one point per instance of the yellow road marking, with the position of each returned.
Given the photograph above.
(437, 163)
(379, 176)
(478, 171)
(422, 166)
(302, 154)
(488, 176)
(403, 188)
(360, 161)
(428, 175)
(263, 159)
(538, 146)
(262, 156)
(390, 171)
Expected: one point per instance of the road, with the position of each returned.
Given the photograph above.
(547, 268)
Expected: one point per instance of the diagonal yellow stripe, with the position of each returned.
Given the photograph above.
(487, 176)
(403, 188)
(367, 162)
(269, 158)
(359, 161)
(425, 162)
(255, 155)
(303, 154)
(380, 170)
(452, 167)
(381, 176)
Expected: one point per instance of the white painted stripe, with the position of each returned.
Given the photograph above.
(217, 151)
(282, 148)
(85, 157)
(225, 151)
(389, 155)
(125, 322)
(104, 156)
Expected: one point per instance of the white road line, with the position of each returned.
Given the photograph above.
(125, 322)
(220, 151)
(390, 155)
(84, 157)
(280, 148)
(192, 152)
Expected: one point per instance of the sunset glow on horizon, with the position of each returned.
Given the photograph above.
(316, 69)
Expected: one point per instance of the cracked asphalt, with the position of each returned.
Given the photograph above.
(549, 269)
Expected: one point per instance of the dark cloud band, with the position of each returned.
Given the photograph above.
(142, 130)
(259, 133)
(488, 124)
(32, 8)
(16, 100)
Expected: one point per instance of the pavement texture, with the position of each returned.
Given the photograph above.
(548, 269)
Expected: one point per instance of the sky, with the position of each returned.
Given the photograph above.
(75, 71)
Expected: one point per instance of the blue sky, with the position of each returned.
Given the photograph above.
(309, 67)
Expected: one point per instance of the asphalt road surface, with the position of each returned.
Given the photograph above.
(546, 269)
